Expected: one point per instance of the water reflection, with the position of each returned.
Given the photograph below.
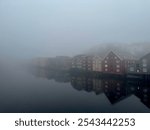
(58, 76)
(115, 89)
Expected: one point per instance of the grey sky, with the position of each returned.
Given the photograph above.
(30, 28)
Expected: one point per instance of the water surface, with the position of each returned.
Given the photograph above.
(42, 91)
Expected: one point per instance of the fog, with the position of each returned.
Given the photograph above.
(33, 28)
(49, 28)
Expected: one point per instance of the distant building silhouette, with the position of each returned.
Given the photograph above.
(79, 62)
(112, 63)
(97, 64)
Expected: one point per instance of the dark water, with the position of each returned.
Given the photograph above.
(43, 91)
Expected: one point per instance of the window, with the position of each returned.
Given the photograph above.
(144, 65)
(118, 84)
(118, 70)
(106, 65)
(118, 66)
(106, 86)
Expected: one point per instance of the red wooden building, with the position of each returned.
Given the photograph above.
(113, 64)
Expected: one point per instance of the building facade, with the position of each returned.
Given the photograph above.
(79, 62)
(112, 64)
(144, 63)
(131, 66)
(87, 63)
(114, 90)
(62, 62)
(97, 64)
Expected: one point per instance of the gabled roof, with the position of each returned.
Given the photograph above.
(111, 52)
(147, 55)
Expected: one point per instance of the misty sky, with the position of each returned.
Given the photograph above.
(32, 28)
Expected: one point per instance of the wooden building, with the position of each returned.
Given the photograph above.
(82, 83)
(114, 90)
(87, 63)
(131, 66)
(145, 64)
(62, 62)
(112, 64)
(78, 83)
(79, 62)
(97, 86)
(97, 64)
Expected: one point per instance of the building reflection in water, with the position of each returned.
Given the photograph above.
(58, 76)
(116, 89)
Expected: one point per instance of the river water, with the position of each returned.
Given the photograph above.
(42, 91)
